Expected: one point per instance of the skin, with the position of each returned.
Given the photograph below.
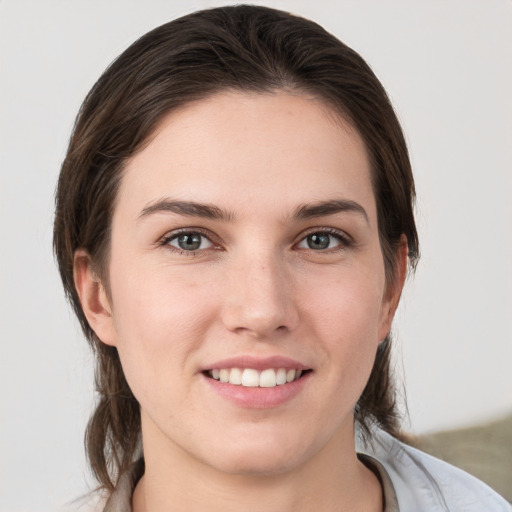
(254, 287)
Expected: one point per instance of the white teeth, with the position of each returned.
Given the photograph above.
(281, 376)
(235, 376)
(249, 377)
(268, 378)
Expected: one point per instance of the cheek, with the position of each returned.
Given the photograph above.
(159, 326)
(160, 318)
(349, 304)
(346, 321)
(342, 323)
(155, 301)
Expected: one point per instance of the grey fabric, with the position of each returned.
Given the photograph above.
(424, 483)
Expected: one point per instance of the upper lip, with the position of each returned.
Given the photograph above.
(257, 363)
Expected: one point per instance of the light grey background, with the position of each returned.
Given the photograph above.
(446, 66)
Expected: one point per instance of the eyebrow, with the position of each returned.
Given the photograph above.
(209, 211)
(189, 208)
(324, 208)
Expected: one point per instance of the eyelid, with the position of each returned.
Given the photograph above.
(344, 238)
(175, 233)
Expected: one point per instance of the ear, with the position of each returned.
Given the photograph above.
(394, 289)
(93, 298)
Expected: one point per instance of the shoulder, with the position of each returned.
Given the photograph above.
(422, 482)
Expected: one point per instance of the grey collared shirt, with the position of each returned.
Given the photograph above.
(422, 483)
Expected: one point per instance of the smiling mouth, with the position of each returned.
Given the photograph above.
(251, 378)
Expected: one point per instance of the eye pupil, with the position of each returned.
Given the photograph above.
(318, 241)
(189, 242)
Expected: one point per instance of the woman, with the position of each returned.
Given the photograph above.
(233, 227)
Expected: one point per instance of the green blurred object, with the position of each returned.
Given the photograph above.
(484, 451)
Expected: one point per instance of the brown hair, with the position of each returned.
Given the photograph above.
(244, 48)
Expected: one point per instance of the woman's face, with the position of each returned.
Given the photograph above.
(245, 247)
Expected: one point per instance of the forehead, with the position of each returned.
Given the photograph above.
(270, 148)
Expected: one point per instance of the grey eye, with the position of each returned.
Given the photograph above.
(190, 242)
(319, 241)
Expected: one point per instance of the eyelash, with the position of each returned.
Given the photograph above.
(345, 241)
(167, 239)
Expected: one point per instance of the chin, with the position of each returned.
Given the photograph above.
(263, 464)
(261, 457)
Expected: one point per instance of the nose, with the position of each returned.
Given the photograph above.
(259, 301)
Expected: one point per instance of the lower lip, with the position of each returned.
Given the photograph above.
(258, 398)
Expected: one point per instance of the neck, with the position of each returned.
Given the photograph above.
(331, 480)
